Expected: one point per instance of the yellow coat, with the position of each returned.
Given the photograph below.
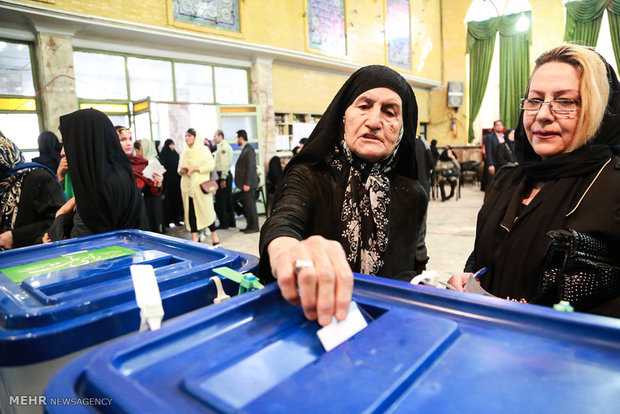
(197, 156)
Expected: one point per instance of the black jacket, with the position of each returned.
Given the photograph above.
(511, 241)
(311, 203)
(245, 169)
(41, 197)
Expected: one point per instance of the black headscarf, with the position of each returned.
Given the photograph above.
(584, 159)
(106, 194)
(330, 128)
(444, 154)
(169, 158)
(49, 150)
(274, 173)
(365, 211)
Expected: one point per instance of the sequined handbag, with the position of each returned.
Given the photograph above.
(580, 269)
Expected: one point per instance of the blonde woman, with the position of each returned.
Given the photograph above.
(195, 168)
(567, 144)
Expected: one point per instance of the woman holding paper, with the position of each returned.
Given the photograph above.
(151, 188)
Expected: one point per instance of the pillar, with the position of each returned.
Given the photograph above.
(56, 78)
(262, 94)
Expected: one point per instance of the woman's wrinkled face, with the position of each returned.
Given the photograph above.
(189, 139)
(372, 124)
(548, 134)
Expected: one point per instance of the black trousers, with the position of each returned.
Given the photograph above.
(249, 208)
(224, 204)
(192, 218)
(442, 183)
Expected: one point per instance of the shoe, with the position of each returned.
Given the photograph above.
(215, 244)
(248, 231)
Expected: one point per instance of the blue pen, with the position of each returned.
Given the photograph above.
(480, 272)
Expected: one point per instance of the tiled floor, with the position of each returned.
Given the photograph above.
(451, 228)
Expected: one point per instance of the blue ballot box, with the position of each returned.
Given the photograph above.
(62, 298)
(424, 351)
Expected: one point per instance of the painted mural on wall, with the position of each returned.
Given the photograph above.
(220, 14)
(326, 27)
(398, 33)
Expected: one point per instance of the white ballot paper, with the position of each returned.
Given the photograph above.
(336, 332)
(153, 167)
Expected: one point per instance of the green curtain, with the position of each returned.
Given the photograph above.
(583, 21)
(514, 66)
(480, 46)
(613, 14)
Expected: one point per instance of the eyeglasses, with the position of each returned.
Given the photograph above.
(562, 108)
(123, 130)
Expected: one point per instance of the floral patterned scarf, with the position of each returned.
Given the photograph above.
(11, 178)
(366, 208)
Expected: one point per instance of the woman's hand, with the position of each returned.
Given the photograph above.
(158, 179)
(46, 238)
(322, 282)
(6, 240)
(62, 168)
(66, 208)
(458, 281)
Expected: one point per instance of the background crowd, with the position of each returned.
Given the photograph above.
(354, 196)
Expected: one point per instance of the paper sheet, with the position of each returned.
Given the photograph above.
(472, 286)
(336, 332)
(153, 167)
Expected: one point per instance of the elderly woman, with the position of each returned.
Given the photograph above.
(29, 198)
(106, 196)
(567, 178)
(195, 168)
(350, 200)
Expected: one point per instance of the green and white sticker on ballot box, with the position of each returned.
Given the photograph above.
(20, 273)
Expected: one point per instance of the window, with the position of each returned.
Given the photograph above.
(182, 94)
(23, 130)
(15, 69)
(19, 119)
(231, 86)
(194, 83)
(603, 44)
(481, 10)
(148, 77)
(99, 76)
